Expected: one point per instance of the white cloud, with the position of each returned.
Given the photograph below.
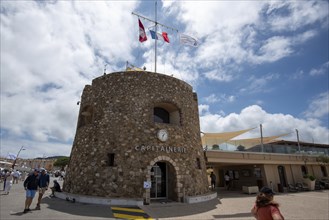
(274, 49)
(218, 76)
(273, 124)
(321, 70)
(319, 107)
(35, 149)
(297, 75)
(236, 37)
(296, 14)
(259, 84)
(213, 98)
(48, 53)
(203, 109)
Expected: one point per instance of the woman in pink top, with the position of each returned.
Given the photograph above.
(265, 208)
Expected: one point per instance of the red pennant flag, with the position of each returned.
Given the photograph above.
(142, 34)
(165, 37)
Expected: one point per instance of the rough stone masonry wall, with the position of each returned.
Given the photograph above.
(121, 123)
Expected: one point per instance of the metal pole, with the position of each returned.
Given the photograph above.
(261, 137)
(298, 140)
(165, 26)
(14, 163)
(155, 40)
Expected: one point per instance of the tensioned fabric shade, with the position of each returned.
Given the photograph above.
(210, 139)
(248, 143)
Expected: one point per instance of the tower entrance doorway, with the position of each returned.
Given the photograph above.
(159, 181)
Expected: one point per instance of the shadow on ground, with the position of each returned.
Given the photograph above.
(81, 209)
(175, 209)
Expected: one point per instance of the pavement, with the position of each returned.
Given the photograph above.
(228, 205)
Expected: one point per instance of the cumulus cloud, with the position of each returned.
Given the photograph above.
(241, 35)
(48, 53)
(297, 14)
(273, 124)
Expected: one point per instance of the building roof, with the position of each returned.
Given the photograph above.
(210, 139)
(302, 144)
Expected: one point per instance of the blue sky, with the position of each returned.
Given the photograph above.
(258, 62)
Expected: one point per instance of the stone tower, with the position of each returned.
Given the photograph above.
(138, 136)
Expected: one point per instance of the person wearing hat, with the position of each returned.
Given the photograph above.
(265, 207)
(43, 186)
(31, 187)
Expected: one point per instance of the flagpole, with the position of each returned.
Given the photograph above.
(14, 163)
(165, 26)
(155, 40)
(155, 27)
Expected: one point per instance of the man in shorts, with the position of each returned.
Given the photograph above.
(43, 185)
(31, 186)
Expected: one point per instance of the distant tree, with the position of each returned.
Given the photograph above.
(62, 162)
(215, 147)
(241, 148)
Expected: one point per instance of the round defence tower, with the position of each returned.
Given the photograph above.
(137, 136)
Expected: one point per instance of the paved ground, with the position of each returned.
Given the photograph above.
(228, 205)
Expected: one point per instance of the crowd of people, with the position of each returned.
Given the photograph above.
(10, 177)
(35, 182)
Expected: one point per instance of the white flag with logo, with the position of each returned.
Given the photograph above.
(188, 40)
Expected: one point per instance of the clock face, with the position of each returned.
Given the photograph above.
(163, 135)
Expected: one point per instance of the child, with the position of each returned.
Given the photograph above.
(265, 207)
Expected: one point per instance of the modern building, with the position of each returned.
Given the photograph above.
(138, 137)
(275, 163)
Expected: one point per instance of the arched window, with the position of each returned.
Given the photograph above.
(85, 116)
(166, 113)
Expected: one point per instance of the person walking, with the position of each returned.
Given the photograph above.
(9, 181)
(15, 176)
(31, 187)
(265, 207)
(227, 181)
(213, 180)
(43, 186)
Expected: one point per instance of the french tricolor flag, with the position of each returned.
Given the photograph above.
(159, 36)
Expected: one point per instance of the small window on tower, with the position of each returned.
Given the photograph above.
(198, 163)
(110, 159)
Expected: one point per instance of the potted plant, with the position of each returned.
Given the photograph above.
(310, 181)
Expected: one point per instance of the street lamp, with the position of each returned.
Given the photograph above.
(13, 166)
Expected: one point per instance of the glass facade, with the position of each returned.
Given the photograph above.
(283, 149)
